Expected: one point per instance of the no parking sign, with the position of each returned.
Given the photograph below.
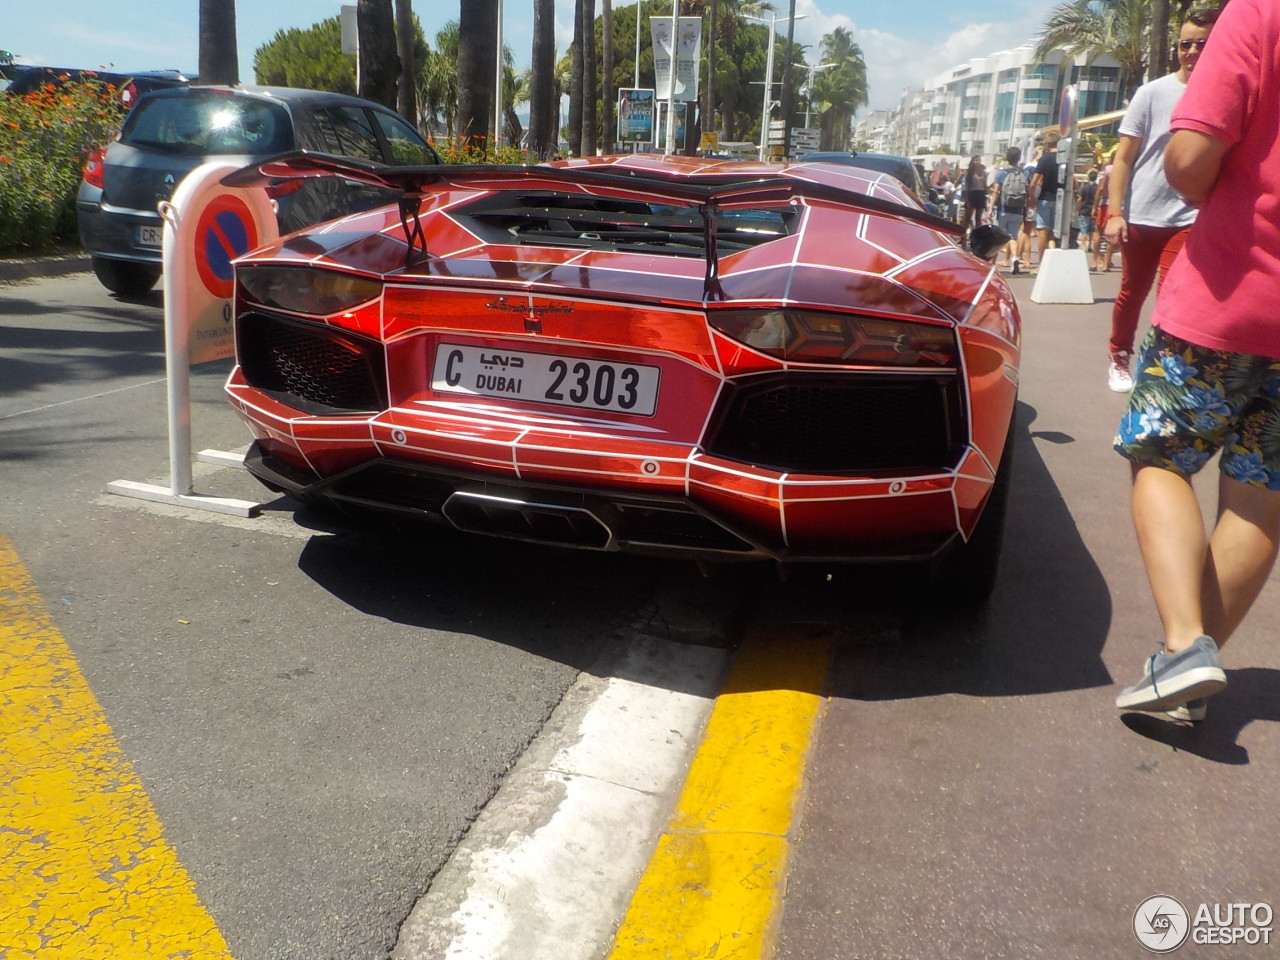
(207, 226)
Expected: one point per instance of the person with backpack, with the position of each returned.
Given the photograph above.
(1009, 200)
(1084, 203)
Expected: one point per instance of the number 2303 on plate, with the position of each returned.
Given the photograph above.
(546, 378)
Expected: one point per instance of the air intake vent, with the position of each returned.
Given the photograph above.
(315, 368)
(819, 424)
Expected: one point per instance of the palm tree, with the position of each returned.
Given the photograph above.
(575, 82)
(405, 87)
(477, 40)
(590, 78)
(1117, 28)
(218, 62)
(439, 90)
(378, 66)
(515, 90)
(608, 89)
(841, 89)
(544, 98)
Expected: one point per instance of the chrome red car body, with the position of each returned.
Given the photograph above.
(864, 414)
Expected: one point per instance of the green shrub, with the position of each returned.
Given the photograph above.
(45, 138)
(458, 151)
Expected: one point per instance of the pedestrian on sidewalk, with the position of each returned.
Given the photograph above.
(1088, 223)
(1209, 372)
(1027, 231)
(1146, 217)
(1103, 251)
(975, 194)
(1009, 205)
(1044, 191)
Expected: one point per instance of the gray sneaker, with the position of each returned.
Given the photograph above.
(1192, 711)
(1170, 680)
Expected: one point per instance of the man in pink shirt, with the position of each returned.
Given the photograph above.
(1209, 372)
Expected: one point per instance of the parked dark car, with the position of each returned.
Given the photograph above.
(903, 168)
(131, 85)
(171, 132)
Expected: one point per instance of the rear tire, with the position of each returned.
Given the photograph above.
(125, 278)
(967, 574)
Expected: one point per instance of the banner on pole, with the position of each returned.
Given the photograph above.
(635, 115)
(685, 49)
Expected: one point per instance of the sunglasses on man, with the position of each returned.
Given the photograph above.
(1186, 45)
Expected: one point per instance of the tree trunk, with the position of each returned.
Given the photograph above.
(590, 80)
(378, 65)
(788, 97)
(575, 80)
(543, 136)
(477, 67)
(709, 93)
(608, 92)
(407, 89)
(1158, 61)
(219, 62)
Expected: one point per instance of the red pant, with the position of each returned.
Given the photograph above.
(1148, 251)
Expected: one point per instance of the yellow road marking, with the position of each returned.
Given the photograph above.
(715, 883)
(85, 872)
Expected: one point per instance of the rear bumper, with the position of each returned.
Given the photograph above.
(708, 523)
(112, 232)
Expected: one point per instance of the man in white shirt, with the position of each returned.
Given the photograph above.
(1147, 218)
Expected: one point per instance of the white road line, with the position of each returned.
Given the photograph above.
(548, 868)
(63, 403)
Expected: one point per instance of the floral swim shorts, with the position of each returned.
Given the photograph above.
(1190, 401)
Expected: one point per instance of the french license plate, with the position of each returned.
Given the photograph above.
(149, 236)
(546, 378)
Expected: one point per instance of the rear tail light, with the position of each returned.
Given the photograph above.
(320, 293)
(804, 336)
(94, 166)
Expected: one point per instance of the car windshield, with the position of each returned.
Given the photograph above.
(212, 123)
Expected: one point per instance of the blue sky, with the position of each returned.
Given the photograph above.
(904, 41)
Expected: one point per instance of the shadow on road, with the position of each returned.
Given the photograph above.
(1254, 694)
(1042, 631)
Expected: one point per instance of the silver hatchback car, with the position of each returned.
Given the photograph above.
(171, 132)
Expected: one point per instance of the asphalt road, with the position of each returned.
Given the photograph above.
(316, 716)
(319, 715)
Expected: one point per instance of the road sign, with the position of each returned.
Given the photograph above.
(225, 231)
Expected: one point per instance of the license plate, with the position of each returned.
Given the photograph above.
(546, 378)
(150, 236)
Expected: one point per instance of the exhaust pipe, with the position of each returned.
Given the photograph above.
(548, 523)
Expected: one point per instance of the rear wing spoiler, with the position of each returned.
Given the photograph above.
(709, 192)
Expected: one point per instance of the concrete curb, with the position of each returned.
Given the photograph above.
(33, 268)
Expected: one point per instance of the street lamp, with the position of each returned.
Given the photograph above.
(768, 80)
(808, 87)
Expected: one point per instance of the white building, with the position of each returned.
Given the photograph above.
(990, 103)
